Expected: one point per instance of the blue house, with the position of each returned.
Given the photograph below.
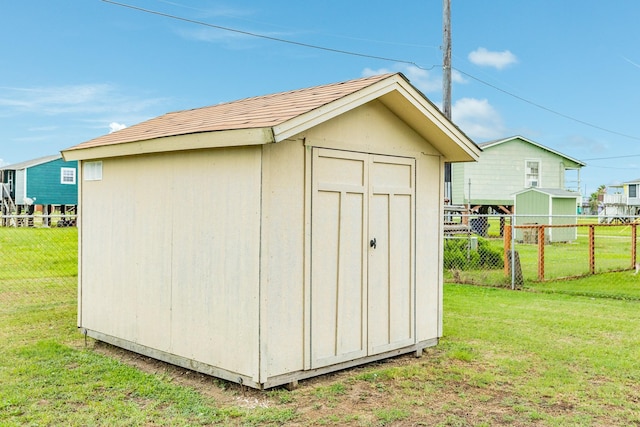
(48, 181)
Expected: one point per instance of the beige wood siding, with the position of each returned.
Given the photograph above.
(339, 231)
(391, 268)
(170, 246)
(362, 283)
(429, 246)
(215, 255)
(373, 129)
(282, 259)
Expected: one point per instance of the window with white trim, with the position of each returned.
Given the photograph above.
(92, 171)
(633, 190)
(532, 173)
(68, 176)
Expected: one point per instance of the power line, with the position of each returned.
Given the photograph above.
(546, 108)
(614, 157)
(262, 36)
(363, 55)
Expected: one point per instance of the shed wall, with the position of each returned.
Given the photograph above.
(371, 128)
(374, 129)
(282, 259)
(535, 207)
(210, 260)
(532, 207)
(564, 212)
(170, 253)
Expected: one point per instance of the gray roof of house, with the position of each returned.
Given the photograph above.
(29, 163)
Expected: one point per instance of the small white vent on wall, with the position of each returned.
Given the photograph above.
(93, 171)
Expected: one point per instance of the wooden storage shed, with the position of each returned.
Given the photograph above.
(270, 239)
(548, 206)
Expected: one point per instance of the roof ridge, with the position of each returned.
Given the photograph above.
(375, 78)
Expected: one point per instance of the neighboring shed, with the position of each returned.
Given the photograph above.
(549, 206)
(273, 238)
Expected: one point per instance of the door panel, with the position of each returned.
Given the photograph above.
(362, 298)
(338, 292)
(390, 266)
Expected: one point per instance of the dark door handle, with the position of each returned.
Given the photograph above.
(373, 243)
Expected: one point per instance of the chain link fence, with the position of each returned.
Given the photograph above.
(39, 254)
(38, 261)
(510, 250)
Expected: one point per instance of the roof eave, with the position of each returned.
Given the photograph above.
(397, 94)
(31, 163)
(193, 141)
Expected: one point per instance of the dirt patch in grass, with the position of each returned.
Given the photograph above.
(432, 390)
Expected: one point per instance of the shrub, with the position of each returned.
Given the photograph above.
(459, 255)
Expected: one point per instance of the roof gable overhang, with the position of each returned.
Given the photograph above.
(394, 91)
(190, 141)
(31, 163)
(406, 102)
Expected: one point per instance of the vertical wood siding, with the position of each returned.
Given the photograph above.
(170, 245)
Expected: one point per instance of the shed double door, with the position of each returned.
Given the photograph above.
(362, 255)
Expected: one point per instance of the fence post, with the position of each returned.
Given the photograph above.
(634, 239)
(541, 252)
(507, 248)
(592, 249)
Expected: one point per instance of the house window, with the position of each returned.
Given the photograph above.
(67, 176)
(93, 171)
(633, 190)
(532, 173)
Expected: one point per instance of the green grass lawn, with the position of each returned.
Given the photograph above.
(564, 353)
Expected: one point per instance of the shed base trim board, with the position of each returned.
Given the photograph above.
(173, 359)
(301, 375)
(274, 381)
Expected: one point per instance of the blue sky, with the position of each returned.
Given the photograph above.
(565, 74)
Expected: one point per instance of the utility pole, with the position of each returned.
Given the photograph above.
(446, 59)
(446, 83)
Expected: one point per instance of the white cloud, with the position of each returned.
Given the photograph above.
(113, 127)
(456, 77)
(54, 100)
(487, 58)
(3, 163)
(420, 78)
(477, 118)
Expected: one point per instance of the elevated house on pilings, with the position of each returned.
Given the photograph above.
(509, 166)
(45, 184)
(619, 203)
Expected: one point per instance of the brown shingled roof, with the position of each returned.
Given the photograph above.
(257, 112)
